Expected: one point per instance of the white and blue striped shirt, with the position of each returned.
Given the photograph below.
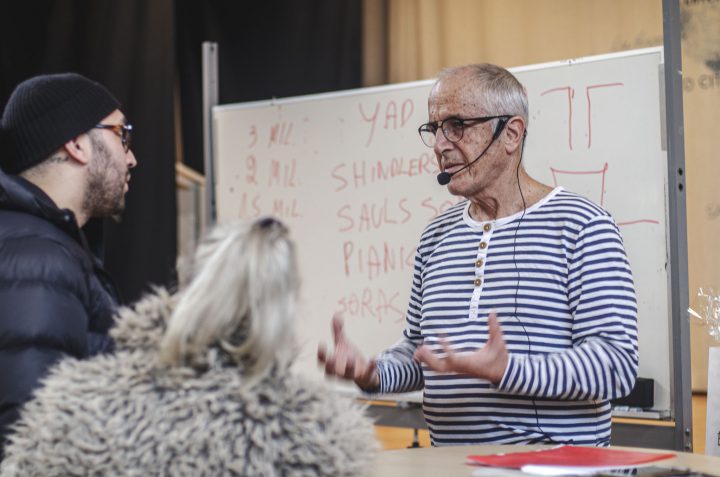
(561, 285)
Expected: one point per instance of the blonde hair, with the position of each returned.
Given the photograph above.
(241, 298)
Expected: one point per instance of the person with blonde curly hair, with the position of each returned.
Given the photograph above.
(199, 383)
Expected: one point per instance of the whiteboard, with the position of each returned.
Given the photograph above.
(349, 175)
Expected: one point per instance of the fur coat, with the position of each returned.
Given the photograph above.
(126, 414)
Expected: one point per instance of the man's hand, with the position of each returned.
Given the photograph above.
(489, 362)
(347, 362)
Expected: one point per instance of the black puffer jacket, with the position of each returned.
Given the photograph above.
(55, 297)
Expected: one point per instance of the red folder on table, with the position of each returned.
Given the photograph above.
(571, 456)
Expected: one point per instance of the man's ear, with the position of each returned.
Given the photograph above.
(513, 134)
(79, 149)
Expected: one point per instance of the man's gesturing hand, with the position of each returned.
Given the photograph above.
(346, 361)
(489, 362)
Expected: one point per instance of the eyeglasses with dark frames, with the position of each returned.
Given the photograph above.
(453, 128)
(122, 130)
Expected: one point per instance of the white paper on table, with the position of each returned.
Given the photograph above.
(543, 470)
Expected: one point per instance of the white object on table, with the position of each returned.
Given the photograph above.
(712, 428)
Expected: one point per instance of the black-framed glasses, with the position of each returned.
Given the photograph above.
(452, 128)
(122, 130)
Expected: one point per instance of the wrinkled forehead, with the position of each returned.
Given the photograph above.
(456, 95)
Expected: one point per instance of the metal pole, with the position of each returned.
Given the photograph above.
(680, 328)
(210, 99)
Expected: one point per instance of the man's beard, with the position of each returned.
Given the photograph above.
(105, 189)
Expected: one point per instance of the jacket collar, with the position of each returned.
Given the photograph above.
(20, 195)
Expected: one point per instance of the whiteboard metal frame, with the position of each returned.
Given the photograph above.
(680, 328)
(679, 347)
(210, 88)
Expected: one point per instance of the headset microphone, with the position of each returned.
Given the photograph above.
(444, 177)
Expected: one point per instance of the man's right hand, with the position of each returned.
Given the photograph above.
(346, 361)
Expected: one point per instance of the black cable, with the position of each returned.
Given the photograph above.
(517, 287)
(517, 290)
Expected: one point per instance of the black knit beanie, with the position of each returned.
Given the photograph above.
(45, 112)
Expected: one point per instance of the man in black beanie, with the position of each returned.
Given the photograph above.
(65, 159)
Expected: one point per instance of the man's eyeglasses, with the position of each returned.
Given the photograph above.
(122, 130)
(452, 128)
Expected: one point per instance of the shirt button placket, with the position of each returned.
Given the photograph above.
(482, 253)
(479, 279)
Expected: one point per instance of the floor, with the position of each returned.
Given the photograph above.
(401, 438)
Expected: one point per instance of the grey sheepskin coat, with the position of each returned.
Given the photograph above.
(125, 414)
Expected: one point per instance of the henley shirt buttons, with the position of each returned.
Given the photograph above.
(487, 227)
(483, 245)
(478, 282)
(479, 263)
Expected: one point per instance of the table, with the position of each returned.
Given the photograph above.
(450, 460)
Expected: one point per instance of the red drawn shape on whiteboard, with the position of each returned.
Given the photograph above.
(370, 304)
(391, 115)
(372, 120)
(251, 166)
(372, 261)
(280, 134)
(601, 197)
(253, 135)
(362, 173)
(436, 209)
(283, 175)
(600, 173)
(249, 207)
(372, 216)
(392, 121)
(589, 106)
(570, 95)
(337, 175)
(286, 209)
(407, 109)
(640, 221)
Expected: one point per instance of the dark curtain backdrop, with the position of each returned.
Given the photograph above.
(127, 46)
(270, 48)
